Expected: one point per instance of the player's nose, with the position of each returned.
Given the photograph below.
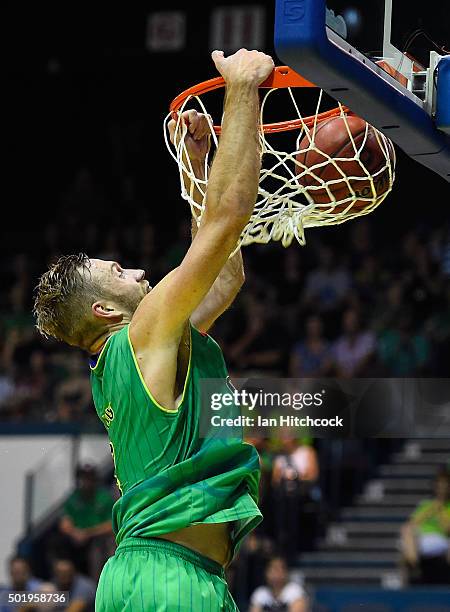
(140, 275)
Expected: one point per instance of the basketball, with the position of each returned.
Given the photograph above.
(332, 138)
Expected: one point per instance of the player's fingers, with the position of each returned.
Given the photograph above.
(202, 127)
(193, 121)
(175, 129)
(196, 122)
(218, 58)
(190, 120)
(171, 127)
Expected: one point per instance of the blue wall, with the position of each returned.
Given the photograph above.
(377, 600)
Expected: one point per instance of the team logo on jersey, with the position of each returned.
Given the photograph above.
(108, 416)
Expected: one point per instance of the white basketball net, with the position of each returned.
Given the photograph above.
(285, 208)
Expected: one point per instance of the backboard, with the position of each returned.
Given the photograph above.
(384, 60)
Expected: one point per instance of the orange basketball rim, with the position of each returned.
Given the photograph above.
(282, 77)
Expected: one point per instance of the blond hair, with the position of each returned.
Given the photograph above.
(63, 298)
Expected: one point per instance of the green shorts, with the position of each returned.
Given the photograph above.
(154, 575)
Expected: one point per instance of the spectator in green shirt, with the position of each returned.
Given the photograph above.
(86, 522)
(426, 536)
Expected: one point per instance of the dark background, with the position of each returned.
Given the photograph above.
(83, 91)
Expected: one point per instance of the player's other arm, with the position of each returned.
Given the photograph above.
(231, 277)
(232, 189)
(223, 292)
(221, 295)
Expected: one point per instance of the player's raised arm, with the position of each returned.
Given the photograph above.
(230, 198)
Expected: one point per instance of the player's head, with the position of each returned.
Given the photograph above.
(79, 299)
(277, 573)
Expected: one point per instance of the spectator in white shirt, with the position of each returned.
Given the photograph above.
(280, 595)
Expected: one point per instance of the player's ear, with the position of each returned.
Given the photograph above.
(107, 313)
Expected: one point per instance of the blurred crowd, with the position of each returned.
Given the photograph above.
(69, 557)
(359, 300)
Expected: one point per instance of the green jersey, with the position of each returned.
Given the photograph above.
(170, 474)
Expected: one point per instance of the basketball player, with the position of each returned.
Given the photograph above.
(187, 500)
